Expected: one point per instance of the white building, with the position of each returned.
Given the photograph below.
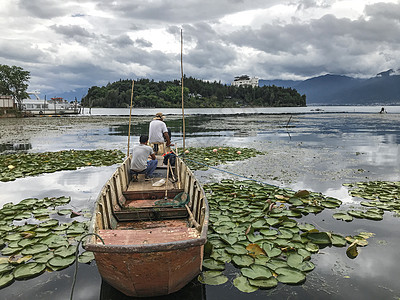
(245, 80)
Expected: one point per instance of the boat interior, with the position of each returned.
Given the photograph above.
(167, 208)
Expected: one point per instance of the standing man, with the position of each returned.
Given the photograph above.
(158, 134)
(140, 154)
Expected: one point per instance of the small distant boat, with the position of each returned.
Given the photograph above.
(153, 235)
(54, 106)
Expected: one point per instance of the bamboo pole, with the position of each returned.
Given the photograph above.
(130, 118)
(183, 110)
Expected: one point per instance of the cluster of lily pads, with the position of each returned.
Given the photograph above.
(252, 226)
(14, 166)
(38, 235)
(380, 196)
(213, 156)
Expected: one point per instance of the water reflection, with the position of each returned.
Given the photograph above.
(194, 290)
(317, 152)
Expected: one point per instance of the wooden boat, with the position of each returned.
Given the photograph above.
(150, 248)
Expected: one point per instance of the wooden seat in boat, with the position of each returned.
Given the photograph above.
(148, 236)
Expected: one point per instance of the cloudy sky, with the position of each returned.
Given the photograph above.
(74, 44)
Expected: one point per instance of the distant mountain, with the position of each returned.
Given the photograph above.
(70, 95)
(384, 89)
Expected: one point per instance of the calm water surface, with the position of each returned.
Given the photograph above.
(311, 150)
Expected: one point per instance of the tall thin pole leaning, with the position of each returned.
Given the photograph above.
(183, 110)
(130, 118)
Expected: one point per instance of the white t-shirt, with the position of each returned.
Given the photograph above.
(156, 131)
(140, 154)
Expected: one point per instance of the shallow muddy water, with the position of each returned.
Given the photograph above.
(317, 152)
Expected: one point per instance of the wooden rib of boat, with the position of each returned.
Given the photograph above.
(150, 248)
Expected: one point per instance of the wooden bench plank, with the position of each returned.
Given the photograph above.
(148, 236)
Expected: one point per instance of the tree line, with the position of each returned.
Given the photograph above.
(197, 93)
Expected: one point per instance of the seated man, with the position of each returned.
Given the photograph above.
(159, 134)
(140, 154)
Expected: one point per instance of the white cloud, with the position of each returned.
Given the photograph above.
(73, 44)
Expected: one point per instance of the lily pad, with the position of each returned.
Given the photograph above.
(61, 262)
(290, 276)
(212, 278)
(213, 264)
(343, 216)
(86, 257)
(242, 260)
(34, 249)
(28, 270)
(256, 272)
(264, 283)
(6, 279)
(243, 285)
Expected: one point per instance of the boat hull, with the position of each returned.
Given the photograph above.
(150, 274)
(141, 248)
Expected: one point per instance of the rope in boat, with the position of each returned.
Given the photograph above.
(76, 260)
(179, 200)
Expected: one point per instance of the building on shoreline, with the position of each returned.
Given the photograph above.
(245, 80)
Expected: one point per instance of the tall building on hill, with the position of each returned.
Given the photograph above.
(245, 80)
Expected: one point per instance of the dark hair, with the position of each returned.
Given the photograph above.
(143, 139)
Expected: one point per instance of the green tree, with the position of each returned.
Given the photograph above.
(13, 82)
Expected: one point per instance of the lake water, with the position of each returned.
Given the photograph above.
(305, 149)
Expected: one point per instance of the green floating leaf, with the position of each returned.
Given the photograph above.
(61, 262)
(294, 260)
(372, 215)
(338, 240)
(290, 276)
(352, 252)
(6, 279)
(43, 257)
(212, 278)
(264, 283)
(306, 227)
(86, 257)
(343, 216)
(213, 264)
(34, 249)
(256, 272)
(242, 260)
(356, 213)
(230, 238)
(270, 250)
(5, 268)
(274, 264)
(28, 270)
(64, 212)
(236, 249)
(221, 255)
(243, 285)
(319, 238)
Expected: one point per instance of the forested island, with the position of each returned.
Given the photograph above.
(197, 93)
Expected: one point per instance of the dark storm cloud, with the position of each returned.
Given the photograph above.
(384, 11)
(326, 35)
(122, 41)
(20, 51)
(143, 43)
(100, 41)
(182, 12)
(71, 31)
(44, 9)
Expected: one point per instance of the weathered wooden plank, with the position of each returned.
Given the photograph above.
(148, 236)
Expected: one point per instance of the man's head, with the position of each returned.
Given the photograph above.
(143, 139)
(159, 116)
